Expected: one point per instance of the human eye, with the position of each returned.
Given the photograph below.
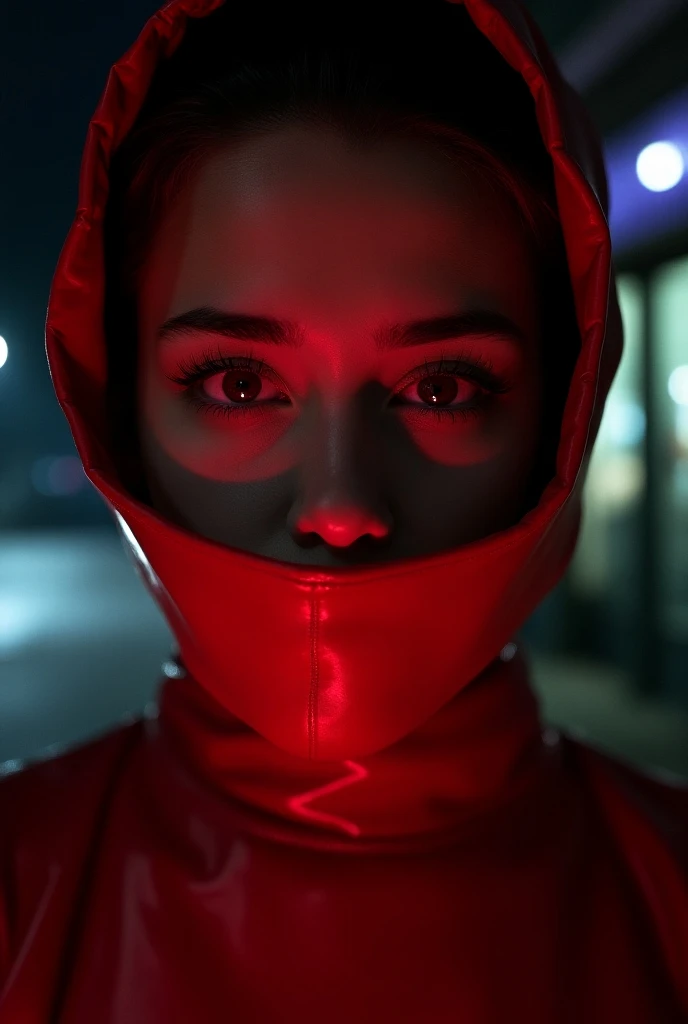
(436, 386)
(222, 385)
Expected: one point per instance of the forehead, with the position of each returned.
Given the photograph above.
(299, 220)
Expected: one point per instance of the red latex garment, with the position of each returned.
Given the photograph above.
(312, 835)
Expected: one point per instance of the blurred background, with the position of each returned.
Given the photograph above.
(82, 643)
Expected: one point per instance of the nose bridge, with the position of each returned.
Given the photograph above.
(339, 445)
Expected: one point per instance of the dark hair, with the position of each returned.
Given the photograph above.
(373, 70)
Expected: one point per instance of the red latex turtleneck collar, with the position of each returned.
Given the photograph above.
(485, 753)
(322, 675)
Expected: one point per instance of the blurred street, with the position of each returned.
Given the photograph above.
(81, 645)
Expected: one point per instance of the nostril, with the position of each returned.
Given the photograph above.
(307, 538)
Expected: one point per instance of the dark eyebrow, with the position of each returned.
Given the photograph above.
(246, 327)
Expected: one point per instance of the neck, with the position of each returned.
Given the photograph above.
(484, 754)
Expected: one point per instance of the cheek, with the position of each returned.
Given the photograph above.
(505, 432)
(466, 442)
(212, 446)
(461, 491)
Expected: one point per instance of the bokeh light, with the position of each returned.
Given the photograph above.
(678, 385)
(624, 422)
(4, 351)
(660, 166)
(58, 476)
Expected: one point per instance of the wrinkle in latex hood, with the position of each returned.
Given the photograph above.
(342, 662)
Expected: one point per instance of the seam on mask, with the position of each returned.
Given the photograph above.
(314, 681)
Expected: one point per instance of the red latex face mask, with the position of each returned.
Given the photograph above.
(325, 661)
(347, 447)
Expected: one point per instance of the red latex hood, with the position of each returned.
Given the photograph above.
(348, 661)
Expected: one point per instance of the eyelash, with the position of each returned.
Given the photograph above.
(479, 371)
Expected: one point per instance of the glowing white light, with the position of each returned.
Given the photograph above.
(508, 651)
(18, 618)
(3, 351)
(624, 422)
(678, 385)
(660, 166)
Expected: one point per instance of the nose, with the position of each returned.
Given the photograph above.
(340, 480)
(342, 526)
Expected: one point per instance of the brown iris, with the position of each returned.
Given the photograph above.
(437, 389)
(239, 387)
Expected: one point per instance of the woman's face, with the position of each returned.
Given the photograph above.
(343, 437)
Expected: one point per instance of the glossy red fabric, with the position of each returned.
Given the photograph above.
(333, 831)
